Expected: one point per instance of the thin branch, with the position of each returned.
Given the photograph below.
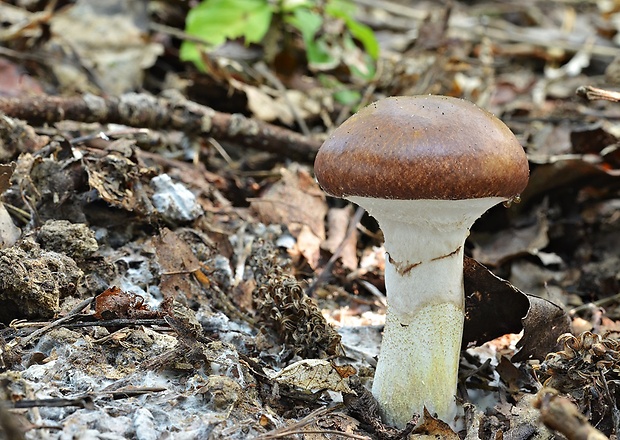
(594, 93)
(171, 111)
(35, 334)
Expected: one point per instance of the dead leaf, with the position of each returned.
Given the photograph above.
(297, 202)
(433, 427)
(6, 171)
(178, 262)
(308, 244)
(324, 427)
(115, 176)
(113, 303)
(117, 59)
(338, 223)
(544, 323)
(312, 375)
(555, 172)
(591, 139)
(296, 198)
(515, 378)
(509, 244)
(493, 306)
(14, 81)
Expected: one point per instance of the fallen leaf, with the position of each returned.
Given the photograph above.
(117, 59)
(338, 220)
(509, 244)
(296, 198)
(312, 375)
(178, 262)
(113, 303)
(14, 81)
(297, 202)
(6, 171)
(434, 428)
(493, 306)
(543, 324)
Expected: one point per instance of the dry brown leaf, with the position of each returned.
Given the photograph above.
(509, 244)
(433, 428)
(178, 262)
(313, 374)
(493, 306)
(107, 40)
(296, 198)
(338, 223)
(308, 244)
(544, 323)
(113, 303)
(297, 202)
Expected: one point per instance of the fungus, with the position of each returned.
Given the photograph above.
(426, 167)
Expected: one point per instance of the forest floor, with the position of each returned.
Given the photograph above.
(170, 268)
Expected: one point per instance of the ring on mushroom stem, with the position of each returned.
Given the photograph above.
(426, 167)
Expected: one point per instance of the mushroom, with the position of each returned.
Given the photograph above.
(426, 167)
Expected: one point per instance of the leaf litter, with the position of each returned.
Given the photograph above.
(158, 283)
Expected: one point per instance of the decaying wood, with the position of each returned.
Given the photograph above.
(560, 414)
(171, 110)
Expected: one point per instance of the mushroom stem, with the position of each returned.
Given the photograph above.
(418, 363)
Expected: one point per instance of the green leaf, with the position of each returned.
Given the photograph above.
(306, 21)
(216, 21)
(286, 6)
(360, 63)
(340, 8)
(347, 97)
(345, 10)
(364, 35)
(309, 22)
(190, 52)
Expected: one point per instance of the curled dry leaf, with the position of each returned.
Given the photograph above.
(543, 324)
(113, 303)
(494, 307)
(313, 375)
(433, 428)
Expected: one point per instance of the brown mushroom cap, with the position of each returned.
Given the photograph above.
(422, 147)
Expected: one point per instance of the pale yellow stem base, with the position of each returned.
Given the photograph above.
(418, 364)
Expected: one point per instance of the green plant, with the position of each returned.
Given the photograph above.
(215, 21)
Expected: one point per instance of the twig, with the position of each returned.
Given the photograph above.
(597, 303)
(561, 415)
(83, 401)
(594, 93)
(376, 292)
(35, 334)
(296, 428)
(120, 322)
(59, 402)
(171, 111)
(263, 70)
